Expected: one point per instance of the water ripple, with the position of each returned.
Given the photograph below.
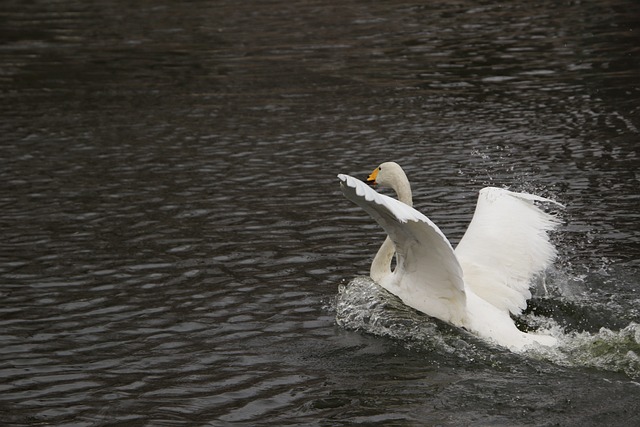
(173, 232)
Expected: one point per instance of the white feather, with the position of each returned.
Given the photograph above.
(505, 246)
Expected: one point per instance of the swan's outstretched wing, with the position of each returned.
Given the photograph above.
(427, 276)
(505, 245)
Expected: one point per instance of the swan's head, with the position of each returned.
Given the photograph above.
(388, 174)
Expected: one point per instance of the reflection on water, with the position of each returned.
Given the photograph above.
(173, 236)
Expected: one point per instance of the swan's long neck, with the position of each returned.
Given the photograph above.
(381, 265)
(403, 190)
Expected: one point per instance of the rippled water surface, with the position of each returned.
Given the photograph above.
(175, 250)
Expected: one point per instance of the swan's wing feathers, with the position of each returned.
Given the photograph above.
(358, 192)
(377, 204)
(505, 246)
(493, 192)
(427, 268)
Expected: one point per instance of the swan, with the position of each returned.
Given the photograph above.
(480, 283)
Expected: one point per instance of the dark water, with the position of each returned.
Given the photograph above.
(173, 239)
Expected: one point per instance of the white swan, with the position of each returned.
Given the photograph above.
(477, 285)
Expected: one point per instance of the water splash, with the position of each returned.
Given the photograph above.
(362, 305)
(617, 351)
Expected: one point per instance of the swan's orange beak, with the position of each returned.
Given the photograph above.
(371, 179)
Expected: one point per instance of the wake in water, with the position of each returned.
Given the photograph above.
(362, 305)
(609, 350)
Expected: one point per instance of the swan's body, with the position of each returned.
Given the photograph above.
(477, 285)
